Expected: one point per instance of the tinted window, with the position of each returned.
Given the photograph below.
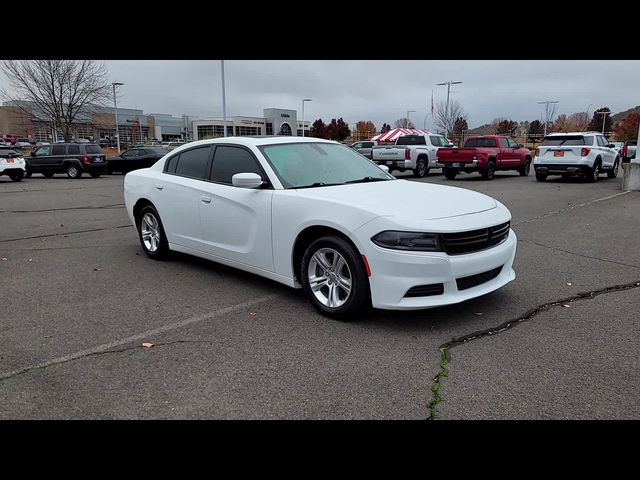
(74, 150)
(58, 150)
(367, 144)
(435, 140)
(193, 163)
(481, 142)
(92, 149)
(512, 143)
(564, 140)
(632, 143)
(228, 161)
(170, 166)
(411, 140)
(601, 141)
(7, 152)
(443, 142)
(43, 151)
(504, 143)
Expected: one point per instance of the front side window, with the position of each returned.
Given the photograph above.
(43, 151)
(504, 143)
(227, 161)
(193, 163)
(512, 143)
(319, 164)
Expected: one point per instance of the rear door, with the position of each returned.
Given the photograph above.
(58, 156)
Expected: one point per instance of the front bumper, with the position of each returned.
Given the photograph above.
(394, 273)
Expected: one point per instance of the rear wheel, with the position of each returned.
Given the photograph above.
(48, 174)
(421, 169)
(594, 173)
(541, 177)
(489, 171)
(334, 278)
(613, 173)
(450, 173)
(526, 168)
(73, 171)
(16, 176)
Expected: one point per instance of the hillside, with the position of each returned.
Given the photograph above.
(620, 116)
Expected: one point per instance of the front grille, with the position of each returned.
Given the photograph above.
(475, 240)
(478, 279)
(425, 290)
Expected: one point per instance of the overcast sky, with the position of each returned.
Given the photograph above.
(377, 90)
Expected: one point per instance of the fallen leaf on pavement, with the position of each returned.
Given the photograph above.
(566, 306)
(569, 283)
(4, 259)
(147, 344)
(97, 269)
(478, 313)
(252, 313)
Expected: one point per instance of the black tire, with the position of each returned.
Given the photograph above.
(358, 300)
(613, 173)
(594, 173)
(422, 168)
(541, 177)
(73, 171)
(95, 174)
(17, 176)
(48, 174)
(450, 173)
(489, 172)
(524, 171)
(162, 250)
(27, 173)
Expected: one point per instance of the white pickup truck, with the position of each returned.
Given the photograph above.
(411, 152)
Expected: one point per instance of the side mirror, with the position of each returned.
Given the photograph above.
(611, 145)
(384, 168)
(246, 180)
(520, 145)
(450, 145)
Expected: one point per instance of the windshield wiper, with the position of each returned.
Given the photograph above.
(369, 179)
(318, 184)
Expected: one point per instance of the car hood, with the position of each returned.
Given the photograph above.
(403, 198)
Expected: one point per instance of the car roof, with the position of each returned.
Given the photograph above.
(559, 134)
(258, 141)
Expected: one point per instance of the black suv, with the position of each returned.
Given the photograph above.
(137, 157)
(71, 158)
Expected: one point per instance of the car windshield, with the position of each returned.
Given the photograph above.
(93, 149)
(8, 153)
(557, 140)
(308, 165)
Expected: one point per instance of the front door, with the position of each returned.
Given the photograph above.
(236, 222)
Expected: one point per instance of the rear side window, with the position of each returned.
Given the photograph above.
(74, 150)
(170, 166)
(481, 142)
(193, 163)
(58, 150)
(92, 149)
(564, 140)
(228, 161)
(411, 140)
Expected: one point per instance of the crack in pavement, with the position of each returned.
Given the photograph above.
(578, 254)
(112, 206)
(65, 233)
(566, 209)
(445, 348)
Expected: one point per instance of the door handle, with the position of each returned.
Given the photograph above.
(158, 186)
(205, 199)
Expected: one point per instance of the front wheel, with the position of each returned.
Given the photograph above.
(489, 171)
(47, 174)
(151, 233)
(421, 169)
(28, 173)
(335, 279)
(450, 173)
(17, 176)
(73, 171)
(526, 168)
(594, 173)
(613, 173)
(95, 174)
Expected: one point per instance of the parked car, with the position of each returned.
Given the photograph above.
(617, 146)
(40, 144)
(22, 143)
(74, 159)
(586, 154)
(10, 138)
(134, 158)
(411, 152)
(629, 150)
(11, 164)
(486, 154)
(314, 214)
(364, 148)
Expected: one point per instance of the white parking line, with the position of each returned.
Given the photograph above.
(141, 336)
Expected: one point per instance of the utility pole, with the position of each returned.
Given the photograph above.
(408, 120)
(224, 101)
(546, 113)
(446, 110)
(604, 117)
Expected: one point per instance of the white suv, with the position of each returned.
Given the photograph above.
(12, 164)
(577, 153)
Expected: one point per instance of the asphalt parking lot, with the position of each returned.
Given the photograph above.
(79, 298)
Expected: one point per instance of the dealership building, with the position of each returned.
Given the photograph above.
(275, 121)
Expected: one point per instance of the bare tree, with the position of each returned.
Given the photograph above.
(404, 123)
(445, 118)
(58, 89)
(578, 122)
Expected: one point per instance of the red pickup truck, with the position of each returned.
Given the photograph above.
(485, 154)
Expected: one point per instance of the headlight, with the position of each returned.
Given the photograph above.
(416, 241)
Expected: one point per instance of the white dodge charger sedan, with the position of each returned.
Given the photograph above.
(314, 214)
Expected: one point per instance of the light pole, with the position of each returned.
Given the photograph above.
(304, 100)
(115, 108)
(446, 109)
(604, 117)
(546, 113)
(224, 100)
(408, 112)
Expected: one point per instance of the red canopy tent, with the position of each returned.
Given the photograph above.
(392, 135)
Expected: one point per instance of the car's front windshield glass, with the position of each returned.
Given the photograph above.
(320, 164)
